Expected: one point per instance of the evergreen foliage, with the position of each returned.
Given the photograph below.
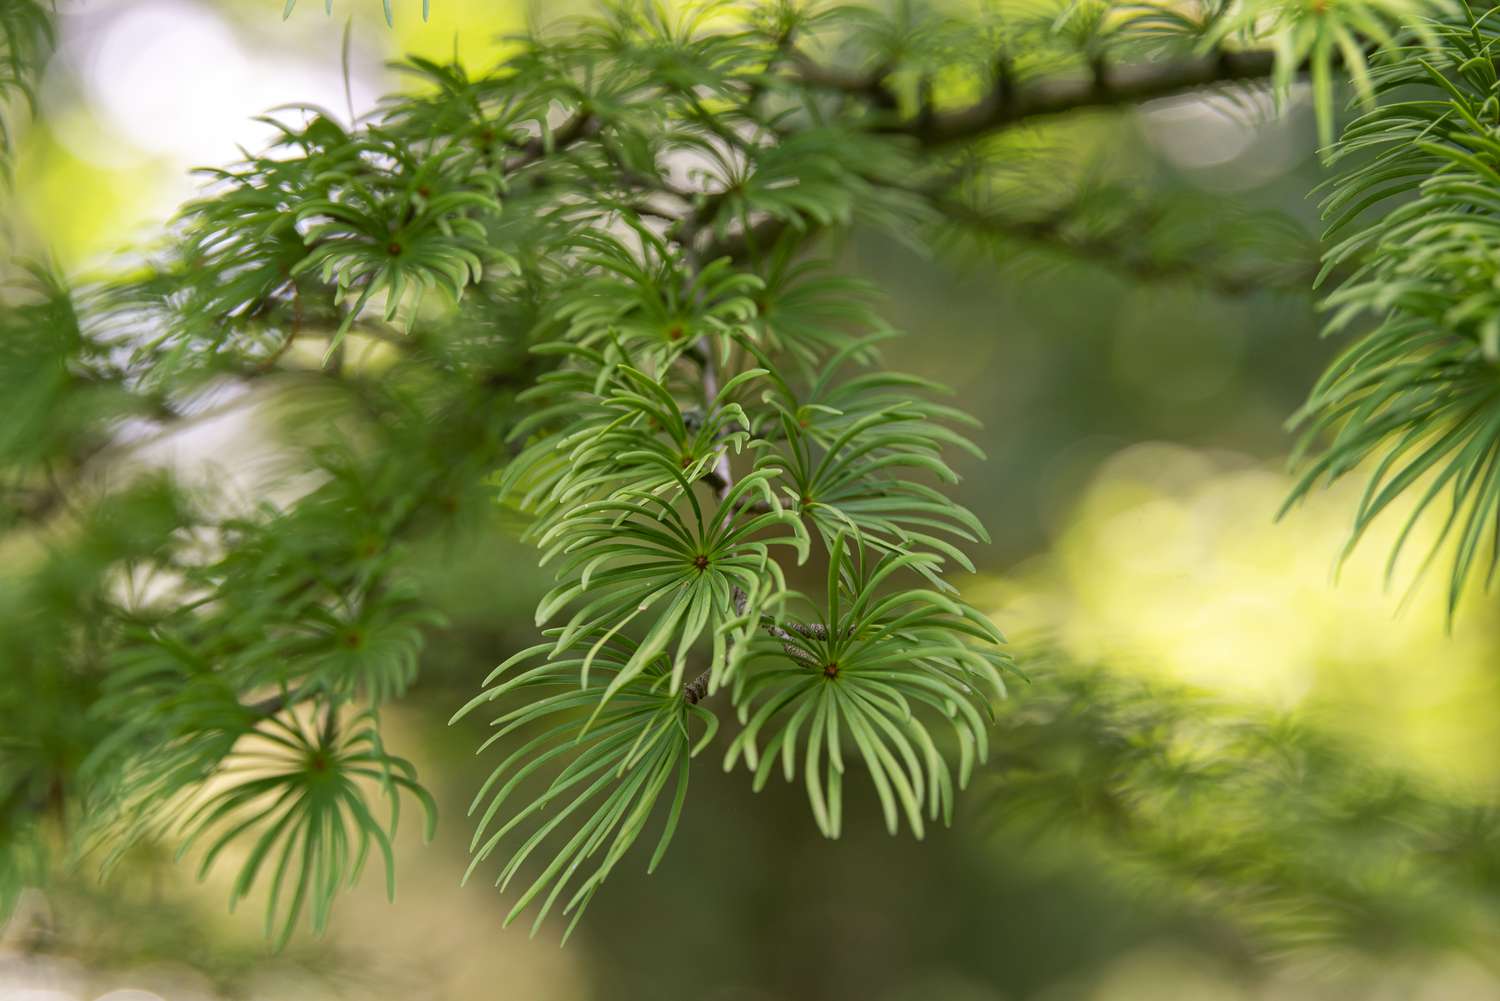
(599, 281)
(1413, 216)
(25, 41)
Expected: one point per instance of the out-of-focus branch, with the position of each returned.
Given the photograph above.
(1007, 104)
(1115, 251)
(870, 86)
(1119, 250)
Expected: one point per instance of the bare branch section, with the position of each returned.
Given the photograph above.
(1005, 107)
(1107, 87)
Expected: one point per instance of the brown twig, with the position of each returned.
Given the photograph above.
(1008, 105)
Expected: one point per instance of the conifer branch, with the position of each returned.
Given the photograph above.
(621, 275)
(1007, 105)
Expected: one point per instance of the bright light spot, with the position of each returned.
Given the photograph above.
(91, 136)
(82, 208)
(170, 78)
(139, 91)
(1224, 142)
(1172, 563)
(167, 73)
(1196, 132)
(476, 32)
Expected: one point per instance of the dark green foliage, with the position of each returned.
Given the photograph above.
(26, 38)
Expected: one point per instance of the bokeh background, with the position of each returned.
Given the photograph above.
(1137, 451)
